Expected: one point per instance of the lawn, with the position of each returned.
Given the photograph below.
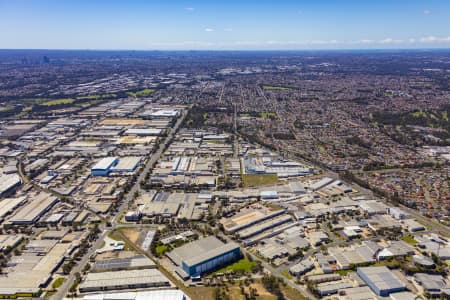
(241, 266)
(258, 179)
(160, 250)
(58, 282)
(409, 239)
(275, 88)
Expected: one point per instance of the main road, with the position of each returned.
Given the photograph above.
(104, 230)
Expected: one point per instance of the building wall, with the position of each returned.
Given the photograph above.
(213, 263)
(98, 172)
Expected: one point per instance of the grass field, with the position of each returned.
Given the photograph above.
(267, 115)
(258, 179)
(58, 101)
(141, 93)
(409, 239)
(241, 266)
(275, 88)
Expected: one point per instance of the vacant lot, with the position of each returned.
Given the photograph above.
(241, 266)
(131, 234)
(258, 179)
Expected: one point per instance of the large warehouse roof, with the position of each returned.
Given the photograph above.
(34, 209)
(200, 250)
(118, 279)
(142, 295)
(381, 277)
(104, 163)
(8, 181)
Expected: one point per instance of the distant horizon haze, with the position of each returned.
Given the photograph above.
(224, 25)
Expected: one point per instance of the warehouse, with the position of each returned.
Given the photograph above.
(8, 242)
(9, 183)
(263, 226)
(144, 131)
(34, 210)
(103, 167)
(413, 226)
(381, 280)
(141, 295)
(302, 267)
(398, 213)
(126, 164)
(432, 284)
(120, 280)
(373, 207)
(248, 217)
(204, 255)
(359, 293)
(8, 205)
(130, 263)
(329, 288)
(346, 257)
(109, 165)
(164, 113)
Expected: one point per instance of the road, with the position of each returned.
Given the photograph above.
(64, 288)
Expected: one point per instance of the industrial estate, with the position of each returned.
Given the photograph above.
(155, 187)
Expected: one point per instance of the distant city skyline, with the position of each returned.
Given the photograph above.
(224, 25)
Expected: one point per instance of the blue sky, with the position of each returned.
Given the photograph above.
(220, 24)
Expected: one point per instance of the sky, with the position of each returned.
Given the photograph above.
(224, 24)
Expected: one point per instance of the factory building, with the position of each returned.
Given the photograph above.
(34, 210)
(109, 165)
(381, 280)
(120, 280)
(204, 255)
(9, 183)
(103, 167)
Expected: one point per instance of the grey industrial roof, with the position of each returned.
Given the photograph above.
(404, 296)
(8, 205)
(140, 295)
(144, 131)
(429, 281)
(34, 209)
(139, 261)
(359, 293)
(124, 278)
(104, 163)
(127, 163)
(200, 250)
(381, 277)
(8, 181)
